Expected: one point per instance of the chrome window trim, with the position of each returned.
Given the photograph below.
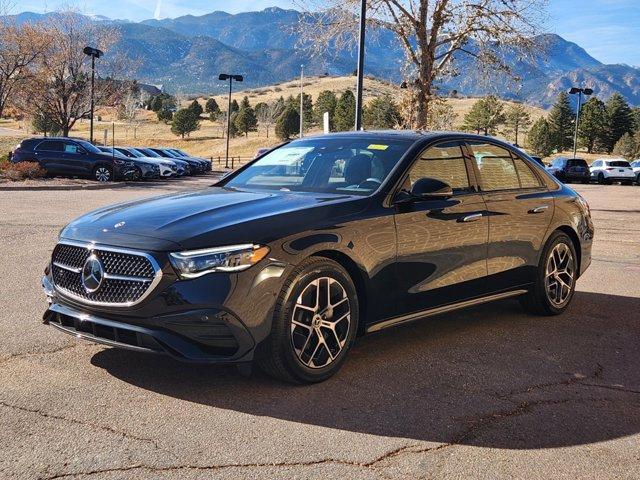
(96, 246)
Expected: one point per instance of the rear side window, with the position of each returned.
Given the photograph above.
(444, 162)
(51, 146)
(497, 170)
(528, 179)
(619, 163)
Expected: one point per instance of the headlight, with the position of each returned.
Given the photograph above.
(235, 258)
(117, 161)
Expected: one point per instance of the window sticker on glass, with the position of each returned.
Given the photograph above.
(377, 146)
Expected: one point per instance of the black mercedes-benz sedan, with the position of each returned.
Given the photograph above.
(287, 260)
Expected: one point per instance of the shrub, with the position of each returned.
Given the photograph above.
(23, 171)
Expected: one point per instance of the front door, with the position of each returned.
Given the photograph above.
(519, 208)
(76, 158)
(442, 243)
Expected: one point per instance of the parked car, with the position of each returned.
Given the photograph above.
(569, 170)
(609, 171)
(285, 270)
(261, 151)
(167, 168)
(636, 170)
(183, 154)
(184, 168)
(197, 166)
(539, 160)
(72, 157)
(142, 169)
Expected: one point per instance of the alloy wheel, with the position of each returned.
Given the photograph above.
(103, 174)
(560, 274)
(320, 322)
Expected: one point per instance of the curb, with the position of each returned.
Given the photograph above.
(96, 186)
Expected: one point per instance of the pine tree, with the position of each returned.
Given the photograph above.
(245, 120)
(212, 107)
(43, 123)
(165, 114)
(619, 120)
(517, 119)
(635, 111)
(326, 102)
(592, 126)
(288, 124)
(561, 122)
(539, 138)
(196, 108)
(381, 113)
(485, 116)
(345, 114)
(626, 147)
(184, 122)
(233, 131)
(234, 106)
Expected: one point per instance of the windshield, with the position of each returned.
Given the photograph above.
(327, 165)
(89, 147)
(619, 163)
(147, 152)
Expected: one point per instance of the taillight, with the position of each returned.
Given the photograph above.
(610, 168)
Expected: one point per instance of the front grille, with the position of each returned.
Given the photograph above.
(127, 276)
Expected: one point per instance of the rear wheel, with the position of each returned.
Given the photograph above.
(137, 174)
(556, 278)
(638, 179)
(102, 173)
(314, 323)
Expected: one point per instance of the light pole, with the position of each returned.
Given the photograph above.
(363, 20)
(231, 78)
(301, 97)
(93, 53)
(579, 91)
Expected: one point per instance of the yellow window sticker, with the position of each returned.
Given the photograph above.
(375, 146)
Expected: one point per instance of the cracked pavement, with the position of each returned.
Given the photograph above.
(483, 393)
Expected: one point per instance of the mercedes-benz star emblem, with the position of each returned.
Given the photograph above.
(92, 274)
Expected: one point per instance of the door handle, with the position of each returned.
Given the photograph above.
(472, 218)
(539, 209)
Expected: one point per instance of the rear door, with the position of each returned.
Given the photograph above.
(519, 208)
(51, 157)
(442, 243)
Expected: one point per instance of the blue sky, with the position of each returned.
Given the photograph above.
(608, 29)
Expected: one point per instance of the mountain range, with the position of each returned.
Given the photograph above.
(187, 53)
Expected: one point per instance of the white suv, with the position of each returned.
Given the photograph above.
(608, 171)
(636, 170)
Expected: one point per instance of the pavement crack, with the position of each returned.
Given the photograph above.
(75, 421)
(16, 356)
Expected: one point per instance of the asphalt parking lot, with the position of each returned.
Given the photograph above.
(484, 393)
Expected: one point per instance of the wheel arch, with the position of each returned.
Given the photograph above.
(357, 276)
(571, 233)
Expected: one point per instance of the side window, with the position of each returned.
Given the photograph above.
(497, 170)
(444, 162)
(528, 179)
(72, 148)
(50, 146)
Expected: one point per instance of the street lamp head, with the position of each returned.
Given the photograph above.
(223, 76)
(238, 78)
(587, 91)
(226, 76)
(92, 52)
(574, 90)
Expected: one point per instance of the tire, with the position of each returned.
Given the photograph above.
(102, 173)
(541, 300)
(638, 179)
(294, 352)
(601, 178)
(137, 174)
(628, 182)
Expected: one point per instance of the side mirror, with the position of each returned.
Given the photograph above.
(431, 188)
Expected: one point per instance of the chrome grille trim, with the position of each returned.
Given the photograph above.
(151, 282)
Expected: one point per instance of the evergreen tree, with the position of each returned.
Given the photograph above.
(561, 121)
(165, 114)
(261, 109)
(592, 126)
(288, 124)
(485, 116)
(212, 108)
(539, 138)
(307, 106)
(619, 120)
(196, 108)
(517, 119)
(345, 113)
(43, 123)
(245, 120)
(635, 111)
(326, 102)
(234, 106)
(184, 122)
(233, 131)
(381, 113)
(626, 147)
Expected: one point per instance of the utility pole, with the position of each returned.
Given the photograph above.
(360, 73)
(579, 91)
(301, 98)
(93, 53)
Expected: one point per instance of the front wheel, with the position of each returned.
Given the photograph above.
(102, 174)
(314, 323)
(556, 278)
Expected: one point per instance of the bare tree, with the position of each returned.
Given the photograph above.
(60, 87)
(267, 115)
(20, 47)
(130, 107)
(432, 33)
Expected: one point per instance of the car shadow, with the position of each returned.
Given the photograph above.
(492, 376)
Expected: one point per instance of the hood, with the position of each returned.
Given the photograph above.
(211, 217)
